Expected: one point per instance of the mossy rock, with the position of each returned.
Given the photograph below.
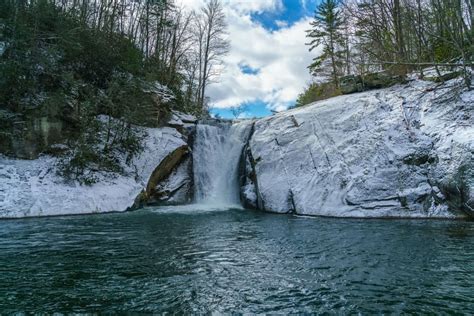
(378, 80)
(420, 158)
(351, 84)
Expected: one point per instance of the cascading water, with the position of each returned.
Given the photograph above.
(216, 156)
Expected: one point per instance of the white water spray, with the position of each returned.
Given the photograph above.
(216, 156)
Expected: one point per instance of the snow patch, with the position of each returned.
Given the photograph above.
(33, 188)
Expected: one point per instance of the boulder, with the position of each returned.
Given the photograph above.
(177, 187)
(351, 84)
(165, 167)
(183, 117)
(378, 80)
(444, 76)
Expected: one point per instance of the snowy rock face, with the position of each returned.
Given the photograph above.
(405, 151)
(32, 187)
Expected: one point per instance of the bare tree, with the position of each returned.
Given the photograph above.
(212, 43)
(238, 111)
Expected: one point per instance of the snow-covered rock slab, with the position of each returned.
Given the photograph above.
(397, 152)
(32, 187)
(181, 118)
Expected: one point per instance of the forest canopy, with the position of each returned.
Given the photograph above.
(359, 37)
(71, 63)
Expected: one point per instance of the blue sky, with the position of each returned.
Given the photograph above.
(251, 109)
(291, 12)
(266, 67)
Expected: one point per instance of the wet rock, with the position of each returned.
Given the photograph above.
(177, 187)
(248, 180)
(458, 188)
(164, 169)
(3, 48)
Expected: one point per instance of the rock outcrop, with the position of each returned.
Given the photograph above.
(376, 80)
(33, 188)
(172, 181)
(178, 187)
(405, 151)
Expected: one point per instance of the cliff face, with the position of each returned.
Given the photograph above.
(405, 151)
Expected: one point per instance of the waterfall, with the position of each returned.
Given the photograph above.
(216, 155)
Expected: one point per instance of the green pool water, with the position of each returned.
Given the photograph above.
(185, 260)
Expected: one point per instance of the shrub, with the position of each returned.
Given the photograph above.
(103, 146)
(317, 91)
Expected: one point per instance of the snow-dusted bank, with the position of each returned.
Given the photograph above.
(33, 188)
(405, 151)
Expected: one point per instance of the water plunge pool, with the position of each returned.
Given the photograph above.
(186, 260)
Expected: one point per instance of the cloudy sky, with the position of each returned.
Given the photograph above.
(266, 66)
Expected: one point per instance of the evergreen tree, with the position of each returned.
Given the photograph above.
(328, 32)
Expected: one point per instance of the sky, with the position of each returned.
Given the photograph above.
(266, 67)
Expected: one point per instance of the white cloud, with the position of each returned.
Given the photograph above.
(243, 6)
(281, 57)
(246, 6)
(281, 24)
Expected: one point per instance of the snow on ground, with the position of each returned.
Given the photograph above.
(32, 187)
(380, 153)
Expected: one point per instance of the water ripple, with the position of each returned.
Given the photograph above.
(185, 260)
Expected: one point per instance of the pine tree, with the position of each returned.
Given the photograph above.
(328, 32)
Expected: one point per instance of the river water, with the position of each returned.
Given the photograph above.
(186, 260)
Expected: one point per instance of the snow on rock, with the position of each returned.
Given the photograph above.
(396, 152)
(181, 117)
(184, 123)
(177, 188)
(32, 187)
